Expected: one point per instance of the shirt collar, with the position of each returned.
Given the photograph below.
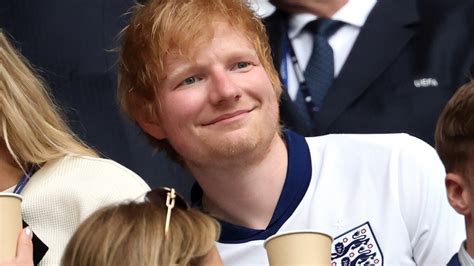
(296, 183)
(464, 257)
(354, 12)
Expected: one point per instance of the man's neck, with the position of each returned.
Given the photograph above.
(246, 192)
(320, 8)
(10, 173)
(326, 8)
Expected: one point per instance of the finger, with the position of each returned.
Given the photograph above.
(24, 250)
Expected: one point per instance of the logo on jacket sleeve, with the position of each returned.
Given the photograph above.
(357, 246)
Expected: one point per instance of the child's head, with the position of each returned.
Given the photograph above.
(455, 145)
(134, 234)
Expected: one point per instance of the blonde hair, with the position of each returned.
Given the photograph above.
(133, 234)
(31, 127)
(163, 27)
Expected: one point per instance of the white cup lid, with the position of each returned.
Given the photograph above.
(9, 194)
(295, 232)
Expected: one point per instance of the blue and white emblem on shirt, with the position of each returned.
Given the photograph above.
(357, 246)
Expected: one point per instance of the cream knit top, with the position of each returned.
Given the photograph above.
(66, 191)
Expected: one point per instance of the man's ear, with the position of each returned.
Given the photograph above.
(458, 193)
(148, 120)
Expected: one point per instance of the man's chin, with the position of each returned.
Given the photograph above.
(236, 146)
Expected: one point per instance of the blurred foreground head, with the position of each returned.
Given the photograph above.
(134, 234)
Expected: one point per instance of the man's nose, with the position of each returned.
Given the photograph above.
(223, 88)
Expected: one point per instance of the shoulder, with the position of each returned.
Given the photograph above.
(430, 13)
(446, 12)
(442, 6)
(386, 142)
(92, 170)
(82, 184)
(75, 160)
(399, 150)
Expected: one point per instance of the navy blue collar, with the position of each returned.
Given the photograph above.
(454, 261)
(297, 181)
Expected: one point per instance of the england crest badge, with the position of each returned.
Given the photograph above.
(357, 246)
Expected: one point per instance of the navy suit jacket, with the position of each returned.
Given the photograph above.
(408, 60)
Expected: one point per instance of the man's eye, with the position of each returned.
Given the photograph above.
(189, 81)
(241, 65)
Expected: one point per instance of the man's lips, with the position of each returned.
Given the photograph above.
(227, 116)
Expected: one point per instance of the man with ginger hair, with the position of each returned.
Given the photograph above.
(197, 77)
(455, 145)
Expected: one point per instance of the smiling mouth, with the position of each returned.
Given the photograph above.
(228, 117)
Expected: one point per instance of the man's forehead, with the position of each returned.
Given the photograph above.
(224, 34)
(183, 43)
(176, 61)
(193, 57)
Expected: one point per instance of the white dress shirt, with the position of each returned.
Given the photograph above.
(464, 257)
(354, 14)
(262, 7)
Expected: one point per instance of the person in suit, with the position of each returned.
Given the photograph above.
(455, 146)
(396, 63)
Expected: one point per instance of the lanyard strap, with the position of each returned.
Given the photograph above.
(23, 181)
(303, 86)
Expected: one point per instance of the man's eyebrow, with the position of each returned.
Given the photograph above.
(177, 70)
(182, 65)
(243, 53)
(179, 67)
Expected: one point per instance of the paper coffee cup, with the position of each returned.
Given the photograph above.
(10, 224)
(299, 248)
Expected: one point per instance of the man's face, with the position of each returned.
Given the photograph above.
(220, 105)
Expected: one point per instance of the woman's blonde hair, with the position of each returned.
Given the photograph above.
(31, 127)
(133, 234)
